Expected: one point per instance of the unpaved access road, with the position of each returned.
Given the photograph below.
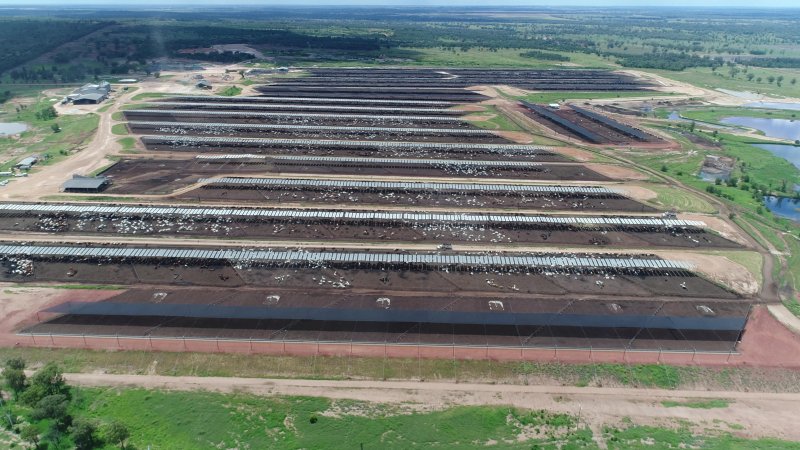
(748, 414)
(48, 179)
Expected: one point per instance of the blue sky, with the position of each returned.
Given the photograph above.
(552, 3)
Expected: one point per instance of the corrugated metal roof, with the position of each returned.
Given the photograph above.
(261, 126)
(408, 185)
(312, 107)
(188, 112)
(347, 215)
(561, 261)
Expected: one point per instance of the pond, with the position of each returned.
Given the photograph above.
(787, 152)
(675, 115)
(11, 128)
(784, 207)
(713, 175)
(776, 128)
(774, 105)
(746, 95)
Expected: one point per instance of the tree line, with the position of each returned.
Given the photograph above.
(43, 411)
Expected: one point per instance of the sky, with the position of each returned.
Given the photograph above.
(551, 3)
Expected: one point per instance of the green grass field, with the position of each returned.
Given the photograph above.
(176, 420)
(499, 122)
(128, 144)
(631, 437)
(230, 91)
(556, 97)
(713, 115)
(336, 368)
(205, 420)
(120, 129)
(668, 197)
(704, 77)
(40, 139)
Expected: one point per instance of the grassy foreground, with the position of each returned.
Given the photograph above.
(44, 411)
(265, 366)
(183, 420)
(159, 419)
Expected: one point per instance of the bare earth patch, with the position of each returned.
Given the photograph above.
(637, 192)
(517, 136)
(617, 172)
(719, 225)
(574, 153)
(19, 305)
(719, 269)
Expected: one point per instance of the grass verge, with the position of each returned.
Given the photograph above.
(230, 91)
(698, 404)
(119, 129)
(334, 368)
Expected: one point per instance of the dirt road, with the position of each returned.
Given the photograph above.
(760, 414)
(47, 180)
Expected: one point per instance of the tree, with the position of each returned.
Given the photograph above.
(117, 432)
(54, 437)
(52, 407)
(49, 380)
(771, 79)
(14, 375)
(15, 380)
(47, 113)
(56, 128)
(750, 76)
(30, 433)
(83, 432)
(793, 81)
(15, 363)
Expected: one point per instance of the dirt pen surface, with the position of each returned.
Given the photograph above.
(313, 132)
(762, 331)
(220, 191)
(351, 119)
(435, 80)
(603, 132)
(301, 225)
(162, 176)
(199, 145)
(388, 277)
(367, 305)
(326, 301)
